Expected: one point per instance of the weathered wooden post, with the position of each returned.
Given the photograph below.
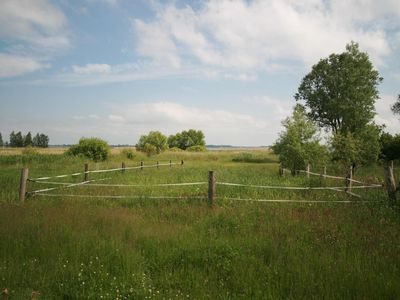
(22, 185)
(158, 164)
(123, 167)
(308, 170)
(86, 173)
(211, 187)
(390, 183)
(170, 163)
(141, 166)
(182, 162)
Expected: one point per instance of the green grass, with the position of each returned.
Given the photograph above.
(83, 248)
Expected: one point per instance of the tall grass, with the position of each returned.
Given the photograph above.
(83, 248)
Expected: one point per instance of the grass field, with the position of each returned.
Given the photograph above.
(142, 248)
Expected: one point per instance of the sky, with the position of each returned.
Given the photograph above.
(117, 69)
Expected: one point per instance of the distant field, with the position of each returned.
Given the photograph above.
(142, 248)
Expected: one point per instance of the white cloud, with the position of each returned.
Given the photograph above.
(91, 69)
(255, 35)
(37, 22)
(385, 115)
(14, 65)
(32, 31)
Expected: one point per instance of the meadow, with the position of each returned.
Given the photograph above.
(68, 247)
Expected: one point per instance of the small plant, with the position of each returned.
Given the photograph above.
(197, 148)
(93, 148)
(128, 153)
(29, 150)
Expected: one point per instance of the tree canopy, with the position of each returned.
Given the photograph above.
(154, 142)
(187, 139)
(298, 144)
(92, 148)
(341, 90)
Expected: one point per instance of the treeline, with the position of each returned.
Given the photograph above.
(155, 142)
(18, 140)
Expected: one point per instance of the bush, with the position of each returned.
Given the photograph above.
(175, 149)
(92, 148)
(150, 149)
(29, 150)
(197, 148)
(128, 153)
(156, 139)
(187, 139)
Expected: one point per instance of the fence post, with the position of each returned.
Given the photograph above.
(158, 164)
(123, 167)
(86, 173)
(324, 171)
(308, 170)
(350, 177)
(390, 183)
(211, 187)
(170, 163)
(182, 162)
(22, 185)
(280, 170)
(141, 165)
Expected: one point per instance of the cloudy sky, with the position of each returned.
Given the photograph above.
(117, 69)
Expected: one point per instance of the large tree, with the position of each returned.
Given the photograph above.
(341, 90)
(1, 141)
(28, 139)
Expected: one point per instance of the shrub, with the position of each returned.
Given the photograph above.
(128, 153)
(155, 139)
(175, 149)
(92, 148)
(197, 148)
(149, 149)
(187, 139)
(29, 150)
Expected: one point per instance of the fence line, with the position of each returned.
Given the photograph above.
(106, 170)
(296, 187)
(126, 185)
(336, 177)
(65, 186)
(119, 196)
(293, 201)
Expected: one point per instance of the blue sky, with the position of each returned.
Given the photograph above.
(117, 69)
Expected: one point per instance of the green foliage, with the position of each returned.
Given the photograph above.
(16, 139)
(196, 148)
(341, 91)
(28, 140)
(29, 150)
(1, 141)
(153, 143)
(175, 149)
(253, 158)
(128, 153)
(92, 148)
(396, 106)
(40, 140)
(149, 149)
(390, 146)
(299, 144)
(187, 139)
(356, 149)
